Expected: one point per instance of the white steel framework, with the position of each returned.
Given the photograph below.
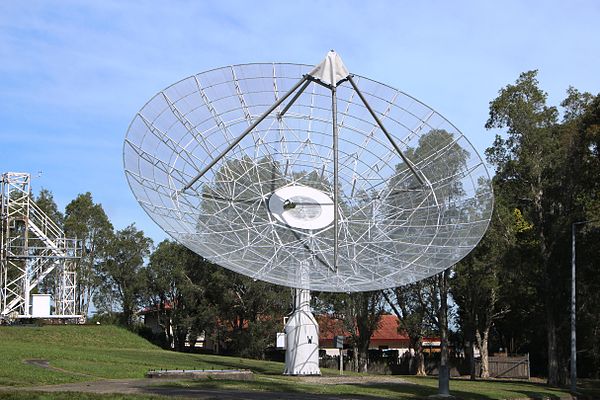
(34, 253)
(262, 168)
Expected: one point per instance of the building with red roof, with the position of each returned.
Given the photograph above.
(386, 337)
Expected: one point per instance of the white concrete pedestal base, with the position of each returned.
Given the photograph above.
(302, 338)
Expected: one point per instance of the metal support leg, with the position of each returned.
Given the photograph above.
(387, 134)
(243, 135)
(335, 177)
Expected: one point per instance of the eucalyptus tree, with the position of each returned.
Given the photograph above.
(122, 270)
(531, 163)
(88, 222)
(45, 202)
(249, 312)
(476, 285)
(360, 314)
(176, 292)
(408, 305)
(582, 126)
(445, 170)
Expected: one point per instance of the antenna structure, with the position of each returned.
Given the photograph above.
(309, 177)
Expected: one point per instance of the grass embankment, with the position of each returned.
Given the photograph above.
(94, 352)
(83, 353)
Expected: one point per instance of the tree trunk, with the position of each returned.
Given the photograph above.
(470, 353)
(355, 358)
(482, 343)
(180, 336)
(553, 379)
(420, 358)
(552, 349)
(363, 358)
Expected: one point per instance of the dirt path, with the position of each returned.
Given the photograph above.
(148, 386)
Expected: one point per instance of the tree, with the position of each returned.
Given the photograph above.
(360, 313)
(177, 290)
(408, 305)
(475, 285)
(45, 201)
(528, 161)
(88, 222)
(248, 311)
(122, 270)
(582, 124)
(434, 298)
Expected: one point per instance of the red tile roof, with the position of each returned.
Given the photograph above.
(387, 330)
(386, 334)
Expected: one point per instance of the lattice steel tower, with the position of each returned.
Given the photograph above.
(34, 254)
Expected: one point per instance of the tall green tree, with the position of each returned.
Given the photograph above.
(45, 201)
(408, 305)
(360, 313)
(177, 287)
(122, 270)
(249, 312)
(582, 126)
(88, 222)
(476, 285)
(434, 297)
(529, 160)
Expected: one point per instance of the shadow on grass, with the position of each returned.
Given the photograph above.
(417, 391)
(384, 390)
(590, 388)
(276, 389)
(544, 396)
(24, 395)
(467, 390)
(484, 390)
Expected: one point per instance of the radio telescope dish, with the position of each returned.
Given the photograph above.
(309, 177)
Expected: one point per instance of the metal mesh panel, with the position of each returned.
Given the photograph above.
(392, 229)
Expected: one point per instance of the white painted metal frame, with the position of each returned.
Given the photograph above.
(33, 250)
(206, 178)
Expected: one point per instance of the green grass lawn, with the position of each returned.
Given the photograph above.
(84, 353)
(405, 388)
(92, 351)
(75, 396)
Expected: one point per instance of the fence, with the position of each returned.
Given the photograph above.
(515, 367)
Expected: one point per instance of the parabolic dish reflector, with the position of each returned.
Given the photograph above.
(308, 177)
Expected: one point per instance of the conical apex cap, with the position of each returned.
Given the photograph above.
(331, 70)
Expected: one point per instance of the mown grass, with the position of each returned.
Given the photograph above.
(84, 353)
(75, 396)
(404, 388)
(94, 352)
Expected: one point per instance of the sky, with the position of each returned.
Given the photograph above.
(73, 74)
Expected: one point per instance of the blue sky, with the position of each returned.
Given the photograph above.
(74, 73)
